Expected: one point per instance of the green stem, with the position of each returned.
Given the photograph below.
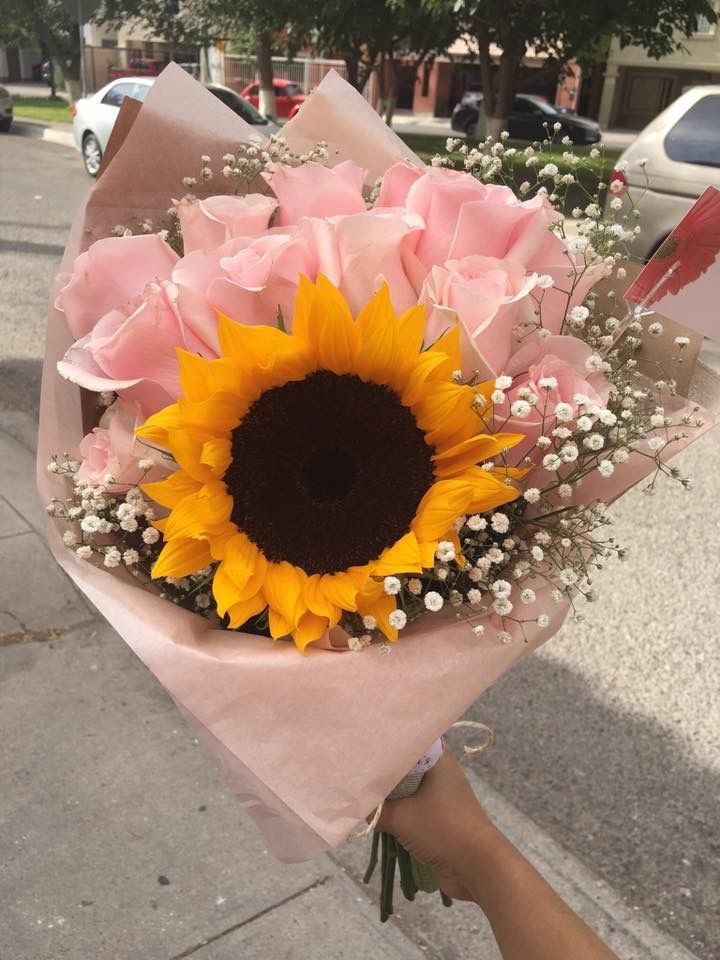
(373, 857)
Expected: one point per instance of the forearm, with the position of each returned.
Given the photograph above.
(529, 920)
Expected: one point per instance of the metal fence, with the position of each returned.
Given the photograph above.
(239, 72)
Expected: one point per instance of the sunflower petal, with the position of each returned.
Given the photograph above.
(332, 332)
(402, 557)
(488, 490)
(444, 502)
(310, 628)
(170, 491)
(317, 602)
(303, 305)
(240, 612)
(379, 605)
(217, 454)
(157, 427)
(411, 325)
(283, 588)
(378, 354)
(201, 513)
(279, 627)
(180, 557)
(454, 460)
(341, 589)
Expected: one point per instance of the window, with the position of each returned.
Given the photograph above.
(239, 106)
(140, 91)
(524, 106)
(695, 138)
(115, 95)
(291, 90)
(703, 27)
(253, 91)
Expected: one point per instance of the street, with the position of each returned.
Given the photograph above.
(607, 740)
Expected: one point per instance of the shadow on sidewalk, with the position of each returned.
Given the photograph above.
(618, 790)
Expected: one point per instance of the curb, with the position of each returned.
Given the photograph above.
(627, 930)
(44, 131)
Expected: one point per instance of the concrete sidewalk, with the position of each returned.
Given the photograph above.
(119, 839)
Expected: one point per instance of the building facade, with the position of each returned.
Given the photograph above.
(638, 88)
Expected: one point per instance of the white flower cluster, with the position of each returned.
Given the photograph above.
(250, 160)
(114, 527)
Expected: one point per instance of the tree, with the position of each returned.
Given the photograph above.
(53, 26)
(391, 38)
(202, 22)
(563, 31)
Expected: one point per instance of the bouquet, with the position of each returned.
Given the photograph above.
(338, 430)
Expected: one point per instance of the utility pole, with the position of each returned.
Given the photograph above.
(81, 31)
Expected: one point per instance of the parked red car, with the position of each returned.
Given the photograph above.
(288, 96)
(138, 68)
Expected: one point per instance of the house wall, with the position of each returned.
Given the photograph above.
(637, 87)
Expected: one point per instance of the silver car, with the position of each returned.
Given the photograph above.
(94, 116)
(671, 162)
(6, 110)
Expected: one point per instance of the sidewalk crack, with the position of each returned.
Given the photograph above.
(243, 923)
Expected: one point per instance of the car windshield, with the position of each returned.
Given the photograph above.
(242, 107)
(540, 105)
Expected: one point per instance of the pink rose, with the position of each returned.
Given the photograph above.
(111, 449)
(110, 275)
(312, 190)
(132, 349)
(209, 223)
(464, 217)
(563, 361)
(375, 246)
(490, 297)
(396, 183)
(250, 278)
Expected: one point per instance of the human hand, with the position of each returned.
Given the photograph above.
(440, 824)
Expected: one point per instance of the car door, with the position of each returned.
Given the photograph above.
(525, 122)
(253, 95)
(283, 103)
(106, 111)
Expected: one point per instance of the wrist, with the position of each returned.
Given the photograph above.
(483, 842)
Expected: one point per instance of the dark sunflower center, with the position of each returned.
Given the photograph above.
(327, 472)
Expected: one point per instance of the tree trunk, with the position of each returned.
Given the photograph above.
(392, 84)
(497, 106)
(267, 105)
(597, 80)
(505, 90)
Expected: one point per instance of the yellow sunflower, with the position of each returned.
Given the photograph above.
(315, 463)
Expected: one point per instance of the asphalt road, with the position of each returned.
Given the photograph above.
(609, 738)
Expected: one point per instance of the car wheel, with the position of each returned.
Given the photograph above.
(91, 153)
(5, 124)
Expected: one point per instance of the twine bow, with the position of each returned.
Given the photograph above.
(397, 793)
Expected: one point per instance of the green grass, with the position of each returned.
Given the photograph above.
(426, 146)
(589, 173)
(47, 109)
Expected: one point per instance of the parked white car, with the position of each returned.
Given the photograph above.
(6, 110)
(680, 150)
(94, 116)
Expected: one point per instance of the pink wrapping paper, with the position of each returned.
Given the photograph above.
(309, 744)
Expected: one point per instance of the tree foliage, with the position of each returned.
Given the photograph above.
(51, 25)
(563, 31)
